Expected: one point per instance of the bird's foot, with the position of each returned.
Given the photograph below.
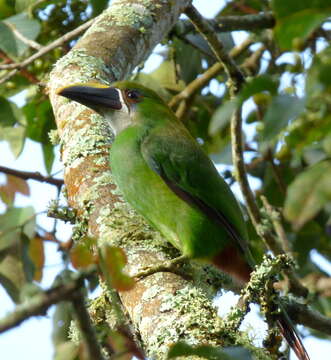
(165, 266)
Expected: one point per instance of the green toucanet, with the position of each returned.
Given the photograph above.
(163, 173)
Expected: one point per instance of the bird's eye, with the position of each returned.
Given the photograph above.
(133, 95)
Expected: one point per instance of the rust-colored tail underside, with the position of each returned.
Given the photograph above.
(230, 261)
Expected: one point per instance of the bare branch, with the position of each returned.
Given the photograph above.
(302, 314)
(28, 175)
(85, 326)
(276, 221)
(249, 22)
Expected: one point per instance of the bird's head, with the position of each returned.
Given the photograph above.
(119, 103)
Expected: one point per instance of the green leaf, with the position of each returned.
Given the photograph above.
(305, 240)
(308, 193)
(28, 27)
(7, 8)
(188, 70)
(13, 185)
(200, 43)
(166, 75)
(21, 5)
(13, 222)
(282, 109)
(222, 116)
(28, 265)
(8, 117)
(149, 81)
(209, 352)
(61, 323)
(313, 154)
(81, 254)
(123, 343)
(12, 276)
(98, 6)
(224, 155)
(48, 153)
(37, 256)
(223, 113)
(114, 259)
(257, 85)
(40, 120)
(318, 76)
(298, 19)
(327, 144)
(15, 137)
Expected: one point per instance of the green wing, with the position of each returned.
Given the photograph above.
(176, 157)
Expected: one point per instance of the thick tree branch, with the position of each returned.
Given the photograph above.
(29, 175)
(249, 22)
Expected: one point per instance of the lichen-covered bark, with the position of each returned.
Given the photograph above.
(163, 307)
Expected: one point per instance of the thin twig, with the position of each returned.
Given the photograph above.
(276, 222)
(39, 304)
(207, 31)
(198, 83)
(249, 22)
(25, 73)
(85, 327)
(58, 42)
(275, 170)
(252, 64)
(29, 175)
(239, 166)
(166, 266)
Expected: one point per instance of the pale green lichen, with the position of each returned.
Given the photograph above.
(58, 211)
(88, 140)
(88, 67)
(151, 293)
(74, 333)
(101, 161)
(100, 310)
(136, 15)
(111, 220)
(188, 315)
(54, 137)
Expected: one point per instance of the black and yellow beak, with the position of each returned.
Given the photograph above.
(95, 96)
